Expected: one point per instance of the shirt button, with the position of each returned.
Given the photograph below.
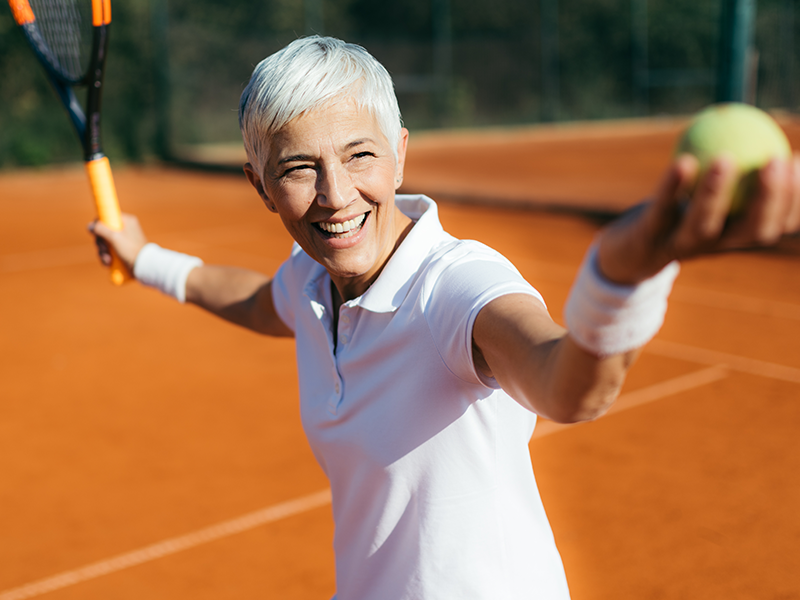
(343, 339)
(337, 387)
(345, 319)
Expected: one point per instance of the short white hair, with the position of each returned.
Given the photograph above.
(305, 75)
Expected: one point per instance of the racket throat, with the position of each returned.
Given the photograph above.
(92, 145)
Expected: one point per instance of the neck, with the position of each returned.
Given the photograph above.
(352, 287)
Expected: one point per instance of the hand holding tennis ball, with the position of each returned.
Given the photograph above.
(746, 134)
(645, 240)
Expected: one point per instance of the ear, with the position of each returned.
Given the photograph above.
(402, 146)
(255, 181)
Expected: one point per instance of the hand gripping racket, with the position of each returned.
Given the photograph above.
(70, 39)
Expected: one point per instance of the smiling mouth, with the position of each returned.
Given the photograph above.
(341, 231)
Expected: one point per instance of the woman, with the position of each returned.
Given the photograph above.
(424, 360)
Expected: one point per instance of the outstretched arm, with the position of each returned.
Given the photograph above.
(545, 368)
(237, 295)
(540, 365)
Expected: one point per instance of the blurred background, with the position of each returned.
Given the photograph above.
(127, 420)
(177, 67)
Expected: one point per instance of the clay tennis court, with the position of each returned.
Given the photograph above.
(149, 451)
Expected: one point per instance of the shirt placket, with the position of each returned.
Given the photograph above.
(344, 335)
(316, 296)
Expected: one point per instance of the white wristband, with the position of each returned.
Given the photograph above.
(164, 269)
(606, 319)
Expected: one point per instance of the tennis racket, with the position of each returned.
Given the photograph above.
(70, 39)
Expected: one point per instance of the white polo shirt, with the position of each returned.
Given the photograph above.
(434, 496)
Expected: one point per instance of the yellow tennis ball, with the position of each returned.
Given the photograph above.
(745, 133)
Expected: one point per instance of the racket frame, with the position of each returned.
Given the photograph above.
(85, 122)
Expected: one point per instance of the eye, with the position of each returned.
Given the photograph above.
(364, 154)
(296, 170)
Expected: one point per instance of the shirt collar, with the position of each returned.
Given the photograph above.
(388, 291)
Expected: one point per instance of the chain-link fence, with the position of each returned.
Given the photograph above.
(177, 67)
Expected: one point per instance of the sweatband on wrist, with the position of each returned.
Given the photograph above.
(606, 318)
(165, 270)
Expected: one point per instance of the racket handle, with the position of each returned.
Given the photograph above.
(105, 199)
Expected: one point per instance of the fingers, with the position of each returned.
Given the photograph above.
(125, 243)
(635, 247)
(674, 188)
(704, 220)
(671, 228)
(771, 203)
(100, 230)
(774, 209)
(103, 250)
(793, 212)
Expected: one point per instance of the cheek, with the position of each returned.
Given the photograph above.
(292, 204)
(381, 181)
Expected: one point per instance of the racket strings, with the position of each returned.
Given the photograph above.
(66, 26)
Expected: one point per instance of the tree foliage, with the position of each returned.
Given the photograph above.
(484, 65)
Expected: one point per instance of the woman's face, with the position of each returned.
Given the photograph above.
(331, 176)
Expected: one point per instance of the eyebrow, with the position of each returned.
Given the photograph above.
(359, 142)
(295, 158)
(308, 157)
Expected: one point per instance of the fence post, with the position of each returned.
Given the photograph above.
(786, 58)
(641, 97)
(736, 69)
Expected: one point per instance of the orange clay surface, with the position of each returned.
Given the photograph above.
(127, 419)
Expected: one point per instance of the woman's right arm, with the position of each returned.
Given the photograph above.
(237, 295)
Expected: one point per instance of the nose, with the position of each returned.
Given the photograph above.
(335, 187)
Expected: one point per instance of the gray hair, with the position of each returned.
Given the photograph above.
(305, 75)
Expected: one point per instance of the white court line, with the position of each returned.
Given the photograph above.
(170, 546)
(670, 387)
(565, 274)
(644, 395)
(734, 362)
(719, 360)
(726, 300)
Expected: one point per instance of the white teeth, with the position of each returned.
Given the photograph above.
(345, 227)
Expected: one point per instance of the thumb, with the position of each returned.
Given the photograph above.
(101, 230)
(674, 188)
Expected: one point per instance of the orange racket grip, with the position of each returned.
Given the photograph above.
(105, 198)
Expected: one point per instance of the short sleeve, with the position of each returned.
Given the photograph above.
(287, 285)
(459, 283)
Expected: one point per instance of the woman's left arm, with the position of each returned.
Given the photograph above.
(544, 368)
(539, 364)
